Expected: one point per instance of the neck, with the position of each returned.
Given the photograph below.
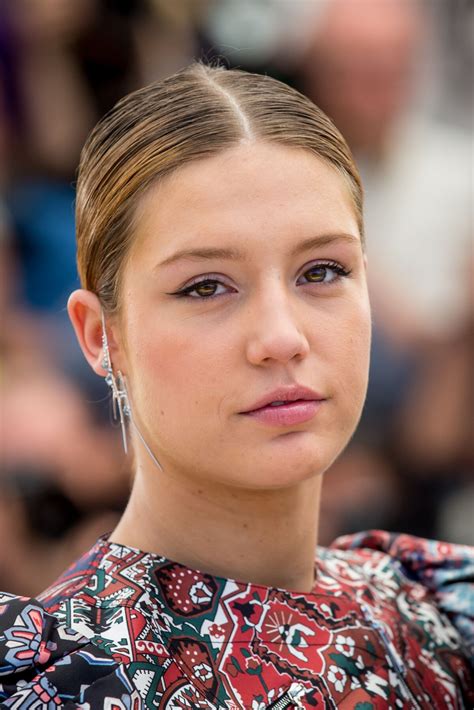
(262, 537)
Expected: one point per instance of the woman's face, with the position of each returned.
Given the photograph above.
(245, 282)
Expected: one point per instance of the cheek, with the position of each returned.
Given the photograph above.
(347, 351)
(179, 373)
(356, 353)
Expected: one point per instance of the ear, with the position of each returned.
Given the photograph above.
(85, 312)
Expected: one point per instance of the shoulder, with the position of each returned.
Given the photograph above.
(43, 663)
(61, 648)
(431, 562)
(446, 570)
(75, 580)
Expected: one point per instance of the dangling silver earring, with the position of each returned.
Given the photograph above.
(120, 401)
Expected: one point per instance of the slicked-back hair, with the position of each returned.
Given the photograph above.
(198, 112)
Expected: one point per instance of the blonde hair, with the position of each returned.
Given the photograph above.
(196, 113)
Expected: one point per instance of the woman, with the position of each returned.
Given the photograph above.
(220, 246)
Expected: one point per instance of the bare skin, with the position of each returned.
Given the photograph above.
(245, 535)
(237, 497)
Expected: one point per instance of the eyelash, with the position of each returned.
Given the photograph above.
(185, 292)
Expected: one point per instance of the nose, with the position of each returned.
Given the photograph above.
(276, 331)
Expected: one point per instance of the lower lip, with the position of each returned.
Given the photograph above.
(287, 414)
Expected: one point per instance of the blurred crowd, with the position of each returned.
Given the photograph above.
(394, 75)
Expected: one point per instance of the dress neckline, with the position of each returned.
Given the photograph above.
(320, 567)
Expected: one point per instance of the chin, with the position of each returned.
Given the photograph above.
(290, 459)
(284, 478)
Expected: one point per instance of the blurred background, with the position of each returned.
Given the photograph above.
(395, 76)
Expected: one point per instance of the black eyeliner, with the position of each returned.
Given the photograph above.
(182, 293)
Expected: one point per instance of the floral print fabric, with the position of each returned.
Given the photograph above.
(389, 624)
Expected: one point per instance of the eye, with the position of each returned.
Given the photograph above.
(324, 273)
(206, 288)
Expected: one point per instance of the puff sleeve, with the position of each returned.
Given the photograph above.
(445, 569)
(43, 664)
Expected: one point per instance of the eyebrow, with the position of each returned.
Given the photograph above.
(202, 253)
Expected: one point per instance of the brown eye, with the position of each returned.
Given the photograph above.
(206, 288)
(326, 273)
(316, 274)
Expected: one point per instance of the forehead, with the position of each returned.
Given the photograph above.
(254, 191)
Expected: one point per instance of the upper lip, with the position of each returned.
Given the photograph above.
(284, 394)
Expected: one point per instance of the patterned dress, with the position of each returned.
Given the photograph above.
(389, 624)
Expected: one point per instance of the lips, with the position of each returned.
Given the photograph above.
(283, 396)
(288, 414)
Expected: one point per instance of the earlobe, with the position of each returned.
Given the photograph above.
(85, 312)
